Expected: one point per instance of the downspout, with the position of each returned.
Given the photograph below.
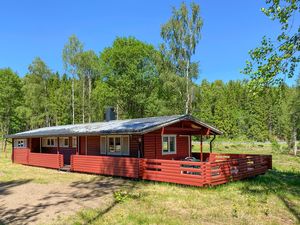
(210, 143)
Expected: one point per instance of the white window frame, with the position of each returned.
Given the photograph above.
(24, 143)
(103, 145)
(47, 145)
(175, 144)
(62, 142)
(122, 152)
(74, 142)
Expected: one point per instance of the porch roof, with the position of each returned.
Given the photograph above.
(130, 126)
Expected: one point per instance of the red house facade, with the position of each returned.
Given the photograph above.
(156, 148)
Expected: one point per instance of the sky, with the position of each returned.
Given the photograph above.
(41, 28)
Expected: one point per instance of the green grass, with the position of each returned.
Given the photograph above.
(269, 199)
(273, 198)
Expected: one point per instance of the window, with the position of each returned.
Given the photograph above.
(74, 142)
(64, 142)
(168, 144)
(49, 142)
(20, 143)
(117, 145)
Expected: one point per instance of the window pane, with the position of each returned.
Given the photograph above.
(111, 146)
(118, 144)
(66, 143)
(165, 144)
(172, 144)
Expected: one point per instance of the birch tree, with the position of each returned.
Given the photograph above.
(71, 48)
(87, 63)
(181, 35)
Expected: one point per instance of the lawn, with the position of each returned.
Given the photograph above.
(273, 198)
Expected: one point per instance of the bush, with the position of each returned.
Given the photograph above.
(275, 145)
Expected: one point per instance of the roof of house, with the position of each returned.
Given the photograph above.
(130, 126)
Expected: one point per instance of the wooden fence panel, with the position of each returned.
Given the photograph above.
(237, 168)
(54, 161)
(106, 165)
(174, 171)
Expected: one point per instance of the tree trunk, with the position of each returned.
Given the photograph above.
(90, 92)
(73, 100)
(4, 147)
(83, 101)
(295, 140)
(187, 103)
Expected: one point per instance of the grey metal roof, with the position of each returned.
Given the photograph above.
(130, 126)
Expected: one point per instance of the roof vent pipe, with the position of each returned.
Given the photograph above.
(110, 114)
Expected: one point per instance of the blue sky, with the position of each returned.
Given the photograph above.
(41, 28)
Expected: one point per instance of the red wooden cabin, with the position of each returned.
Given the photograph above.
(155, 148)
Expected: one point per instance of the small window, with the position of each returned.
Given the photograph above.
(49, 142)
(168, 144)
(74, 142)
(117, 145)
(64, 142)
(20, 143)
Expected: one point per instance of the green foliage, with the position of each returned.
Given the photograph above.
(181, 35)
(129, 69)
(271, 62)
(10, 100)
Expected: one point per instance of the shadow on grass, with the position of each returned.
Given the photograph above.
(285, 185)
(120, 193)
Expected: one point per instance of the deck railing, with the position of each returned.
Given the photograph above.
(216, 169)
(174, 171)
(106, 165)
(24, 156)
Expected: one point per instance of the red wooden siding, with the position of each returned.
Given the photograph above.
(20, 155)
(82, 145)
(106, 165)
(153, 147)
(93, 145)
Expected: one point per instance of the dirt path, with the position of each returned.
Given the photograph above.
(24, 202)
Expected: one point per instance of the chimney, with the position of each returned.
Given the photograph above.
(110, 114)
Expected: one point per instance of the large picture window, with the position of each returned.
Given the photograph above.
(20, 143)
(115, 145)
(168, 144)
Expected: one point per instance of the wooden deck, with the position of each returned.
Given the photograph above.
(214, 170)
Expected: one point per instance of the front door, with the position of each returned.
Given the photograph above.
(67, 155)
